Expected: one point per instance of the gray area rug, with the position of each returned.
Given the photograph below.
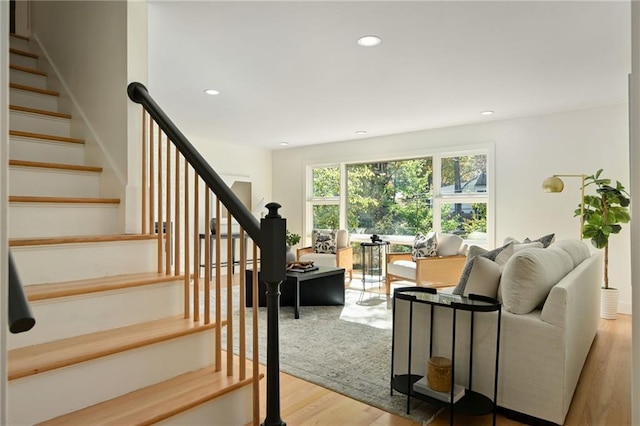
(343, 348)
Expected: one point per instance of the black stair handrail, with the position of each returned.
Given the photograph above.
(138, 93)
(20, 317)
(269, 235)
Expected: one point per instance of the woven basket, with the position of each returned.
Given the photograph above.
(439, 373)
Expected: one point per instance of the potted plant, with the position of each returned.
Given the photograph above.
(603, 215)
(291, 240)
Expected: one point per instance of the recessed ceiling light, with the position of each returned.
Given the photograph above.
(486, 113)
(361, 132)
(369, 41)
(284, 144)
(212, 92)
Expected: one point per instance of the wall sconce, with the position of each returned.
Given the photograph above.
(555, 184)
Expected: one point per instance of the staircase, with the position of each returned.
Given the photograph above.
(111, 342)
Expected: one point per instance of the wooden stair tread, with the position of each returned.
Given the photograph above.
(40, 111)
(61, 200)
(30, 360)
(35, 359)
(27, 69)
(24, 242)
(157, 402)
(23, 53)
(19, 36)
(36, 292)
(45, 137)
(33, 89)
(57, 166)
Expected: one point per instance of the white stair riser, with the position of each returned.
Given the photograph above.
(69, 262)
(23, 61)
(29, 149)
(35, 100)
(31, 220)
(71, 316)
(37, 181)
(28, 79)
(68, 389)
(231, 409)
(19, 43)
(39, 123)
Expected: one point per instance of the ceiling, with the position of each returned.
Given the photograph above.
(292, 71)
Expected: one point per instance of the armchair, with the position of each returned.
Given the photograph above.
(342, 258)
(443, 270)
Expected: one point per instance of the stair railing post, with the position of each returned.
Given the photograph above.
(273, 272)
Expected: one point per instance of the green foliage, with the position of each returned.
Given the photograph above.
(604, 213)
(292, 239)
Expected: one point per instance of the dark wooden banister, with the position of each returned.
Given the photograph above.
(269, 235)
(20, 316)
(139, 94)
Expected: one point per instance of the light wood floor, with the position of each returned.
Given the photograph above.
(603, 395)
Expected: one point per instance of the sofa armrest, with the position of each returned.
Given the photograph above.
(439, 271)
(302, 251)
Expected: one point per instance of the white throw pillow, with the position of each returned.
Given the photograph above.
(529, 276)
(448, 244)
(484, 278)
(578, 250)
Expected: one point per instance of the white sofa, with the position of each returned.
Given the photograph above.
(542, 352)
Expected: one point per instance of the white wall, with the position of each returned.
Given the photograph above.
(4, 206)
(634, 95)
(86, 44)
(527, 150)
(249, 164)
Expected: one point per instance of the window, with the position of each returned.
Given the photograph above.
(398, 198)
(463, 196)
(390, 198)
(325, 197)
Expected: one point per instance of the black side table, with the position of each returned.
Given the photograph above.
(377, 252)
(472, 403)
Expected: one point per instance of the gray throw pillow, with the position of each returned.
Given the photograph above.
(546, 240)
(491, 255)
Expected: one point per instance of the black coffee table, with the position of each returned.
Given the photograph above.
(324, 286)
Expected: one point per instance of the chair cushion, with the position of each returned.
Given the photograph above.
(320, 259)
(424, 246)
(448, 244)
(402, 268)
(342, 238)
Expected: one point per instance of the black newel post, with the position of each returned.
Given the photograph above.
(273, 271)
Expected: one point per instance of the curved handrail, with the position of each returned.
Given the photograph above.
(138, 93)
(20, 317)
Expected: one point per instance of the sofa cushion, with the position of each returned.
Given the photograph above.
(578, 250)
(448, 244)
(402, 268)
(529, 275)
(424, 246)
(475, 251)
(484, 277)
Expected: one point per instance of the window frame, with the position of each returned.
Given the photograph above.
(439, 199)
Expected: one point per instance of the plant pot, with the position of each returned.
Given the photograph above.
(290, 255)
(609, 302)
